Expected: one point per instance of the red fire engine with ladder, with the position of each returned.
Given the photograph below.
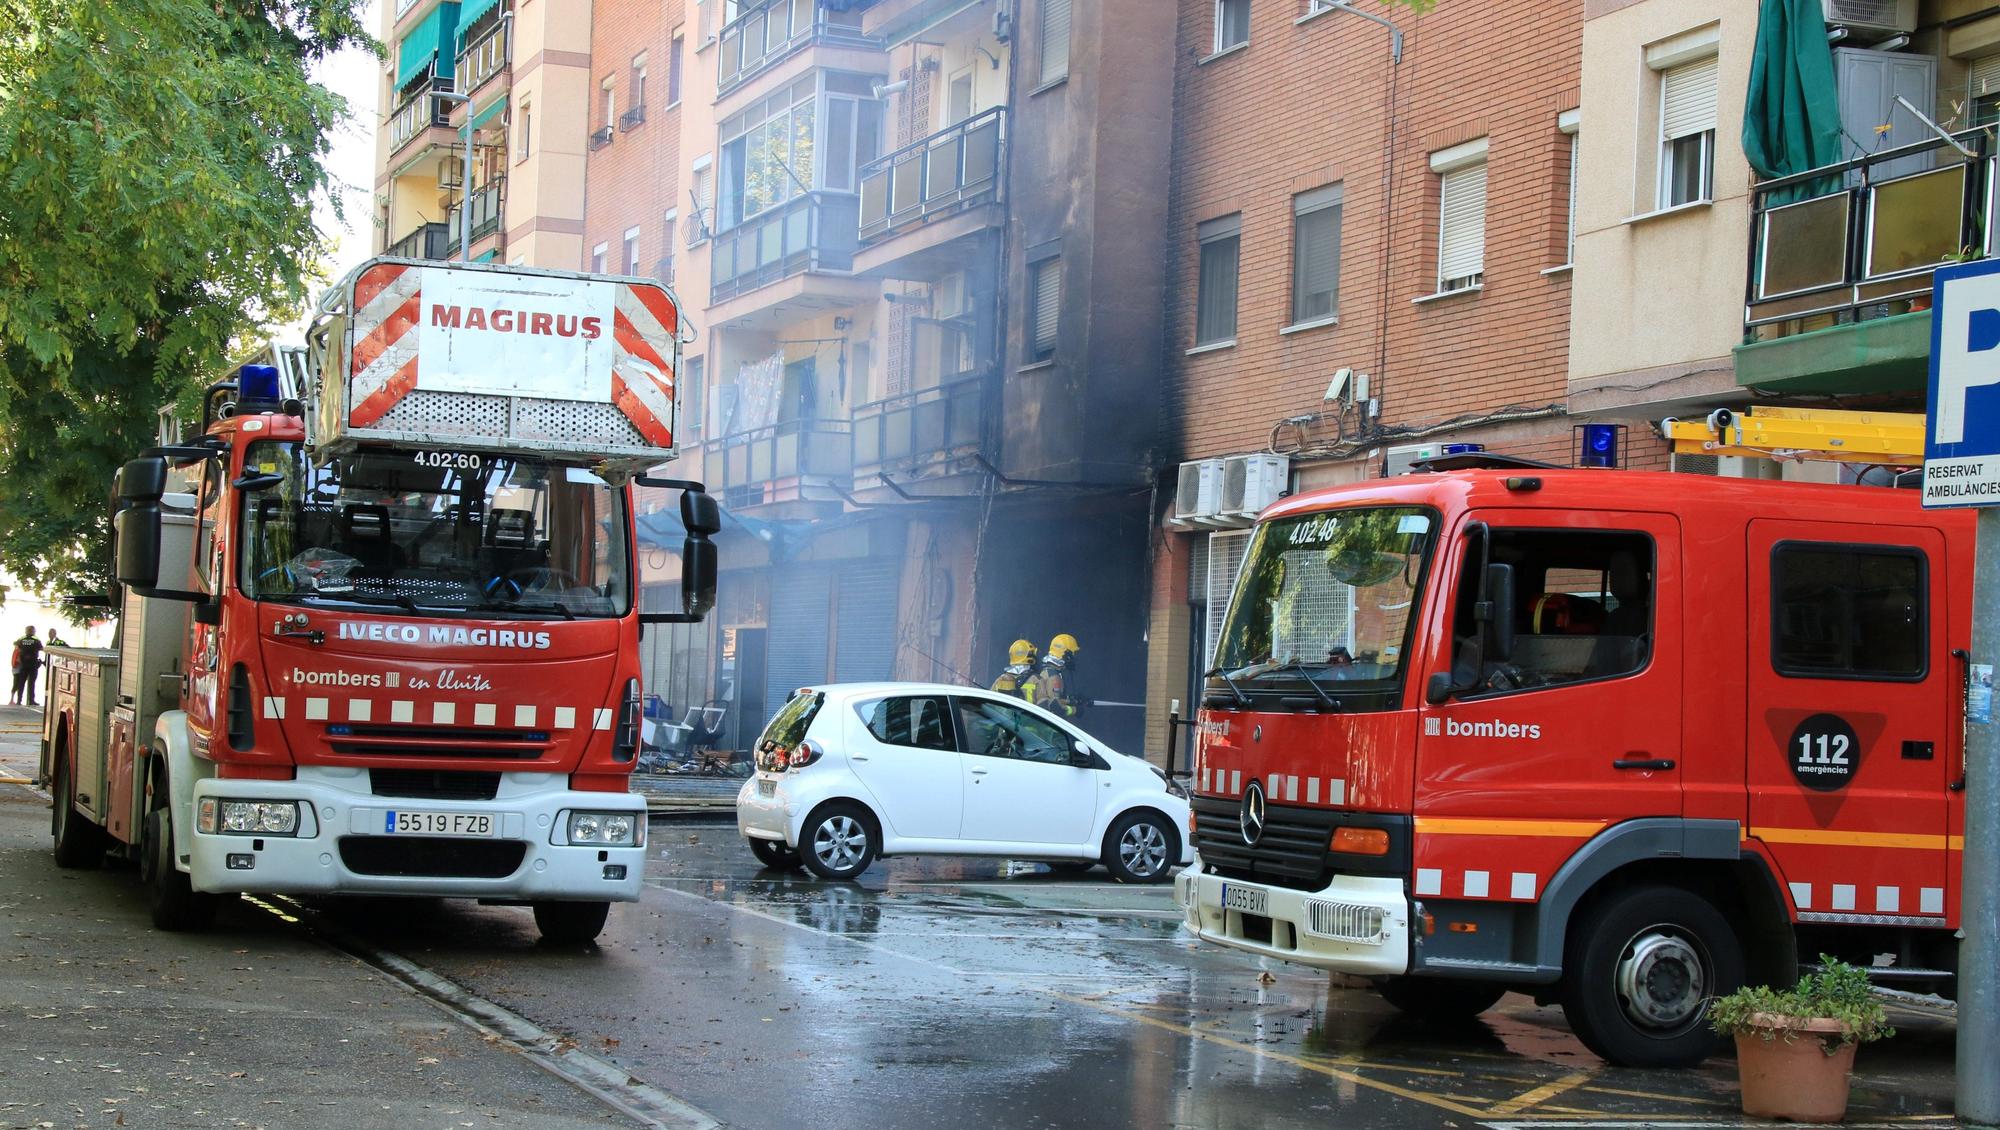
(380, 619)
(1620, 740)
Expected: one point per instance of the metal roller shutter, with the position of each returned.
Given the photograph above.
(796, 641)
(864, 641)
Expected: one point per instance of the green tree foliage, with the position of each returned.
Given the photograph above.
(158, 164)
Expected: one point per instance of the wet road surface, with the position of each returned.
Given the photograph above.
(978, 993)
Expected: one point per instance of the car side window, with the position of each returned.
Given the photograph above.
(918, 721)
(1584, 609)
(995, 729)
(1848, 611)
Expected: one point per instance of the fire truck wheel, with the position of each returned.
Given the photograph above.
(1436, 998)
(175, 904)
(1639, 971)
(1142, 847)
(839, 841)
(79, 840)
(571, 923)
(774, 854)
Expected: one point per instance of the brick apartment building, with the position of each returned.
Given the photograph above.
(1405, 227)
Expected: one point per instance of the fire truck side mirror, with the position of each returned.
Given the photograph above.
(1498, 611)
(697, 575)
(137, 529)
(700, 514)
(142, 480)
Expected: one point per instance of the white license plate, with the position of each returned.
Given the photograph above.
(1249, 900)
(767, 788)
(439, 824)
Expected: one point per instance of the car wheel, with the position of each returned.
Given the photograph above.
(171, 897)
(1639, 971)
(839, 841)
(571, 923)
(1141, 847)
(774, 854)
(79, 840)
(1436, 998)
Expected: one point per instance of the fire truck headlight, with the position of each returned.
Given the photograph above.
(613, 829)
(248, 817)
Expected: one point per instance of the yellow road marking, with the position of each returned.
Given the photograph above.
(1828, 837)
(1540, 1094)
(1455, 826)
(1323, 1068)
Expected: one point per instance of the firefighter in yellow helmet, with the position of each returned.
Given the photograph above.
(1018, 677)
(1055, 682)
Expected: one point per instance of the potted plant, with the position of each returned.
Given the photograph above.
(1795, 1047)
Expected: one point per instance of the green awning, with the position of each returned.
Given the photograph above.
(1791, 119)
(487, 256)
(419, 47)
(469, 13)
(490, 112)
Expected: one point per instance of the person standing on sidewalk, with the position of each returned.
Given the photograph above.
(27, 668)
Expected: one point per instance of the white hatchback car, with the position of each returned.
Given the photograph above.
(850, 772)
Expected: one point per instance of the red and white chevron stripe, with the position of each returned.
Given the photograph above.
(642, 380)
(388, 305)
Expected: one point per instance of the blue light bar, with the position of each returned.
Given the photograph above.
(257, 382)
(1600, 445)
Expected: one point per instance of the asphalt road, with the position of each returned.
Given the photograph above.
(933, 992)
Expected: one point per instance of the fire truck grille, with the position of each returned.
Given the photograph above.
(430, 857)
(434, 784)
(438, 741)
(1292, 852)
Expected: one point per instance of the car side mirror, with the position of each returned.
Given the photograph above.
(1080, 756)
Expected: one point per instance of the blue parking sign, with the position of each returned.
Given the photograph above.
(1962, 431)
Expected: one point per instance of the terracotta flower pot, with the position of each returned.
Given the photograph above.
(1790, 1075)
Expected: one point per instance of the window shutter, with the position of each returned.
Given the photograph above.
(1225, 561)
(1315, 253)
(1687, 100)
(1048, 305)
(1985, 77)
(1462, 225)
(1055, 39)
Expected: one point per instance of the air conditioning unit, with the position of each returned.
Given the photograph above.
(1199, 492)
(1400, 459)
(1252, 482)
(1872, 15)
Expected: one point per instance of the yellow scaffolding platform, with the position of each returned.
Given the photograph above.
(1893, 438)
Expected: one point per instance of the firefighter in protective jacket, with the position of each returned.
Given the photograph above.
(1055, 682)
(1018, 677)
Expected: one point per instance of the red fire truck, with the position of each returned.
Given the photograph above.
(1620, 740)
(380, 621)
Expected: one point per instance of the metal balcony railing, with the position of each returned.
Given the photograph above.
(599, 138)
(488, 201)
(418, 113)
(1858, 239)
(483, 58)
(951, 169)
(752, 461)
(811, 232)
(910, 428)
(634, 117)
(429, 241)
(763, 35)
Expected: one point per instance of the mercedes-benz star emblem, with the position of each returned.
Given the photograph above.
(1252, 815)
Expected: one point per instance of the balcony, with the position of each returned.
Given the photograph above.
(483, 58)
(488, 202)
(920, 436)
(766, 34)
(924, 206)
(418, 113)
(1839, 288)
(814, 231)
(429, 241)
(771, 466)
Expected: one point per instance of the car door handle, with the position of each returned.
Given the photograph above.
(857, 757)
(980, 772)
(1642, 763)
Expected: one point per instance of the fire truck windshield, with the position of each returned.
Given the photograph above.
(1327, 598)
(456, 532)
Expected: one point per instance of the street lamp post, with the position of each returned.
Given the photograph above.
(465, 177)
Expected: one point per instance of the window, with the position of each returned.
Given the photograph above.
(1568, 122)
(632, 251)
(1315, 254)
(1055, 40)
(1044, 307)
(1583, 609)
(768, 153)
(1232, 24)
(1215, 300)
(693, 380)
(996, 729)
(789, 725)
(666, 271)
(527, 130)
(1461, 215)
(674, 50)
(959, 106)
(1212, 580)
(597, 258)
(1687, 133)
(608, 98)
(853, 139)
(1848, 611)
(920, 722)
(638, 81)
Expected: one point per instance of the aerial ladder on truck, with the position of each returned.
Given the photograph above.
(1886, 439)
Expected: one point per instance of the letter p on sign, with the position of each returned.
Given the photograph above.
(1968, 345)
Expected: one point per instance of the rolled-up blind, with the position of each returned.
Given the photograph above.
(1055, 39)
(1687, 100)
(1462, 225)
(1048, 305)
